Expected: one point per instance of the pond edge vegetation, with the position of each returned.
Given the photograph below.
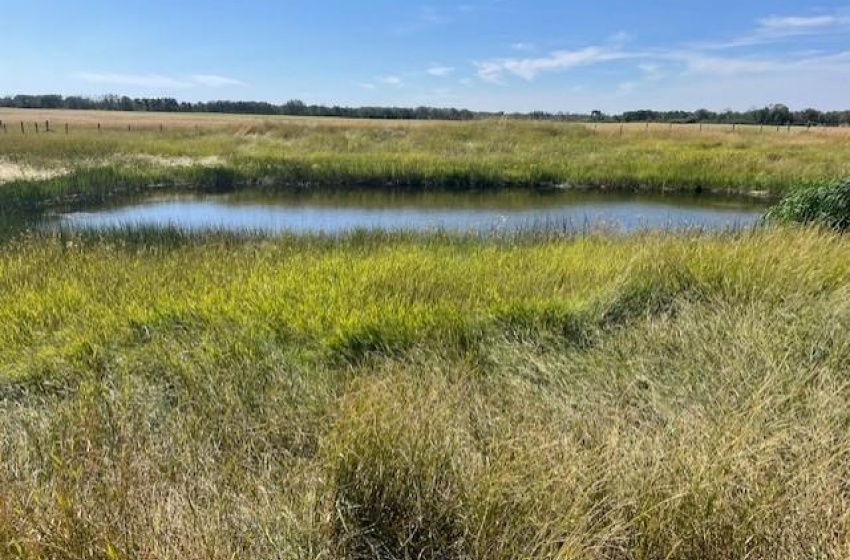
(826, 204)
(227, 153)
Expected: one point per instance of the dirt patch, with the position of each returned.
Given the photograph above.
(177, 161)
(15, 172)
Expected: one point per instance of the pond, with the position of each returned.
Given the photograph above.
(483, 213)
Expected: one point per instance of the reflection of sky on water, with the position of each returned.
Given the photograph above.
(304, 216)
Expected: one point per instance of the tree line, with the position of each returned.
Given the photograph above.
(291, 108)
(778, 114)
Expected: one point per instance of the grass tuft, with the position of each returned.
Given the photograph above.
(827, 205)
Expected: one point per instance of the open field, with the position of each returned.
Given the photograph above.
(285, 152)
(152, 120)
(165, 395)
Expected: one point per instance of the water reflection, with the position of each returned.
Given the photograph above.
(313, 212)
(336, 212)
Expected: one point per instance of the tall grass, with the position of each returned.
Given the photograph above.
(827, 205)
(176, 395)
(478, 155)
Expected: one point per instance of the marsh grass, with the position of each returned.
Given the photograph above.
(321, 153)
(827, 205)
(176, 395)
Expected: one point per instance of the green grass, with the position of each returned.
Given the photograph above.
(478, 155)
(174, 395)
(827, 205)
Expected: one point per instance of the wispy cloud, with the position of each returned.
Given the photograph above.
(213, 80)
(626, 87)
(529, 68)
(366, 85)
(781, 51)
(137, 80)
(774, 29)
(440, 71)
(522, 47)
(620, 38)
(428, 16)
(795, 25)
(159, 81)
(674, 64)
(391, 81)
(425, 17)
(652, 71)
(696, 63)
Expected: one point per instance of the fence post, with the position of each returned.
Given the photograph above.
(36, 128)
(621, 130)
(66, 128)
(47, 126)
(98, 127)
(23, 130)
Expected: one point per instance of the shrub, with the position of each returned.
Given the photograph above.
(827, 205)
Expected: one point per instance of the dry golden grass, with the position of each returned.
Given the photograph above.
(152, 120)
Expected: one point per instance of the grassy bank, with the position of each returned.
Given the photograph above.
(282, 153)
(176, 396)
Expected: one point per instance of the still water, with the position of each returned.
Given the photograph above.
(504, 211)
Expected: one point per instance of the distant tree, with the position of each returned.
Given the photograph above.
(51, 101)
(772, 115)
(294, 107)
(76, 102)
(640, 116)
(779, 114)
(704, 115)
(812, 116)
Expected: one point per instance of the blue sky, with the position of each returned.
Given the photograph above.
(512, 55)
